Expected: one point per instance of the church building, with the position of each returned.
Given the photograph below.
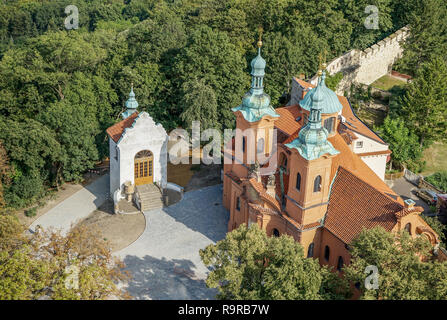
(138, 156)
(322, 191)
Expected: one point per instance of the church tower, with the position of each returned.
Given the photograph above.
(255, 119)
(312, 154)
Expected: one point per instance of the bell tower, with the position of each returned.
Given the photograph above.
(310, 170)
(255, 119)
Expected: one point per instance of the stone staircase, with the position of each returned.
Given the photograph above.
(150, 197)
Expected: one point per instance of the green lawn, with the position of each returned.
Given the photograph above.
(436, 157)
(387, 82)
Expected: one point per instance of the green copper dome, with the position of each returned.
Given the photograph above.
(256, 103)
(131, 105)
(312, 140)
(325, 98)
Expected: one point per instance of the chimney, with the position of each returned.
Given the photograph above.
(409, 204)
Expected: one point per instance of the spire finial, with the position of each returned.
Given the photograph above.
(260, 31)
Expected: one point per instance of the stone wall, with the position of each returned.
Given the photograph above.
(368, 65)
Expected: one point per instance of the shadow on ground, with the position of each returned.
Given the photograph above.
(162, 279)
(202, 211)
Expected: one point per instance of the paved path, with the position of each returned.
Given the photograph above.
(165, 261)
(406, 190)
(76, 207)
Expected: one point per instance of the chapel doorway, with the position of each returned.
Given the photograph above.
(144, 168)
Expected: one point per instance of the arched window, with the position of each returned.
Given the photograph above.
(317, 184)
(305, 119)
(408, 228)
(340, 263)
(298, 181)
(276, 233)
(238, 203)
(260, 145)
(327, 253)
(329, 124)
(310, 250)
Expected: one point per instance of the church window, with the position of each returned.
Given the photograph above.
(327, 253)
(116, 153)
(310, 250)
(298, 181)
(317, 184)
(276, 233)
(243, 143)
(340, 263)
(408, 228)
(305, 119)
(238, 203)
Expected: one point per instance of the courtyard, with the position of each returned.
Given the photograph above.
(164, 261)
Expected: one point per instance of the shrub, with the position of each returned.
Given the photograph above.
(438, 179)
(31, 212)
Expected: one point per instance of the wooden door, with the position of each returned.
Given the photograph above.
(144, 168)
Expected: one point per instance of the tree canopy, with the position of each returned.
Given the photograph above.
(248, 264)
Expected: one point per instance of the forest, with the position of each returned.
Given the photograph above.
(60, 89)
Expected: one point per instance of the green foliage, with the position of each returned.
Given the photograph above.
(31, 212)
(438, 179)
(403, 143)
(211, 56)
(333, 81)
(248, 264)
(437, 226)
(424, 106)
(428, 34)
(402, 274)
(200, 104)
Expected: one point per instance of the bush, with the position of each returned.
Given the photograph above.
(31, 212)
(438, 179)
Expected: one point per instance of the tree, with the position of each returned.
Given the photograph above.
(428, 35)
(210, 55)
(248, 264)
(4, 169)
(363, 37)
(403, 143)
(424, 106)
(35, 266)
(401, 272)
(200, 104)
(438, 179)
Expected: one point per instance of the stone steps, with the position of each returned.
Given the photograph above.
(150, 197)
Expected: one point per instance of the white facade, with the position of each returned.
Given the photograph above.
(144, 134)
(376, 162)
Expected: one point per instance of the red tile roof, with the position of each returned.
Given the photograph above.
(116, 131)
(287, 120)
(355, 204)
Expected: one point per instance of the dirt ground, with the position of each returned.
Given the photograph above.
(120, 230)
(208, 175)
